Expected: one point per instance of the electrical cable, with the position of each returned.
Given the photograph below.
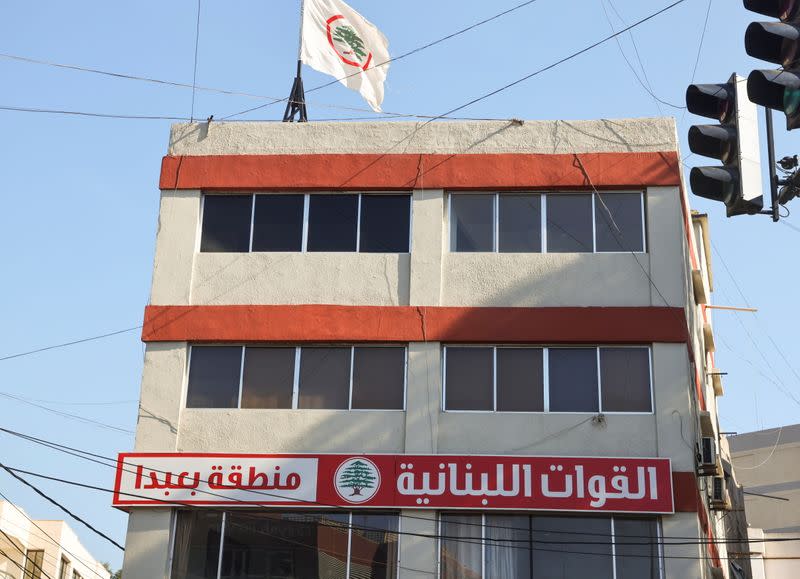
(27, 559)
(49, 536)
(558, 62)
(766, 460)
(112, 463)
(65, 509)
(196, 47)
(72, 343)
(68, 415)
(393, 59)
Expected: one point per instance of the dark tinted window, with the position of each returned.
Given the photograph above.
(285, 545)
(520, 380)
(268, 377)
(520, 223)
(573, 379)
(196, 555)
(324, 378)
(569, 223)
(625, 379)
(378, 378)
(226, 223)
(373, 554)
(636, 548)
(214, 373)
(626, 212)
(278, 223)
(472, 223)
(469, 379)
(572, 547)
(385, 222)
(332, 222)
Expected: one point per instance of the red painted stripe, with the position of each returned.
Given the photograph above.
(684, 485)
(332, 323)
(408, 171)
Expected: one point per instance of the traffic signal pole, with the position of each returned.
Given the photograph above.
(773, 175)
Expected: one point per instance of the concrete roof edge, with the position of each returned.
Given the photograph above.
(657, 134)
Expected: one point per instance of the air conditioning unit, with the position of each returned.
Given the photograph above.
(709, 459)
(719, 494)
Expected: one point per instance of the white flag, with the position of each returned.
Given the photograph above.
(338, 41)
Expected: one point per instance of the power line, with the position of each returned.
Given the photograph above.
(92, 114)
(558, 62)
(196, 46)
(112, 463)
(396, 58)
(67, 415)
(27, 558)
(72, 343)
(63, 508)
(49, 536)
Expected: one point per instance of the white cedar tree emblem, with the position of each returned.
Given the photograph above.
(357, 476)
(347, 35)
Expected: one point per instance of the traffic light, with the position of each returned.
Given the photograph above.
(737, 183)
(777, 42)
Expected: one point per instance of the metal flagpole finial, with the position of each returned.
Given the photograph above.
(296, 105)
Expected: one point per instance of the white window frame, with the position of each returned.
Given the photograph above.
(296, 376)
(543, 224)
(546, 378)
(306, 205)
(528, 514)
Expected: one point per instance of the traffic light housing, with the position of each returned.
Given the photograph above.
(734, 141)
(779, 43)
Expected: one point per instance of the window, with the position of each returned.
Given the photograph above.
(33, 564)
(285, 545)
(76, 575)
(278, 223)
(573, 222)
(63, 568)
(370, 223)
(334, 377)
(553, 379)
(226, 223)
(526, 547)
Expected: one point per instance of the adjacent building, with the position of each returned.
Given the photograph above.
(463, 349)
(768, 465)
(42, 549)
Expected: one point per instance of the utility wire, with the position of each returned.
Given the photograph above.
(72, 343)
(67, 415)
(36, 566)
(63, 508)
(49, 536)
(196, 46)
(92, 114)
(112, 463)
(558, 62)
(396, 58)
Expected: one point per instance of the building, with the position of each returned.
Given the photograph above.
(460, 350)
(768, 465)
(37, 549)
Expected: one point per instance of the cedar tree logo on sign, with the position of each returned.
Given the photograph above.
(346, 42)
(357, 480)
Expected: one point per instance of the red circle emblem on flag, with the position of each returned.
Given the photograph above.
(346, 42)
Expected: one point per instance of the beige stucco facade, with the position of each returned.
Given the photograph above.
(428, 275)
(59, 543)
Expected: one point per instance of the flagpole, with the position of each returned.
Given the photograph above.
(296, 105)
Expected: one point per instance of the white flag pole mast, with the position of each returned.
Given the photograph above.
(296, 105)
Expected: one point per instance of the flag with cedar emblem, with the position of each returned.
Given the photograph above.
(338, 41)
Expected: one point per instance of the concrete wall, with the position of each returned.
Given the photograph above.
(429, 275)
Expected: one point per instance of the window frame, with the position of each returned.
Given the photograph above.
(399, 533)
(546, 378)
(543, 225)
(306, 204)
(296, 376)
(612, 516)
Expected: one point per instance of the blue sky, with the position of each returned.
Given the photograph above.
(80, 195)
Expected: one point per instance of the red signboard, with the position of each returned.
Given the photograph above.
(631, 485)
